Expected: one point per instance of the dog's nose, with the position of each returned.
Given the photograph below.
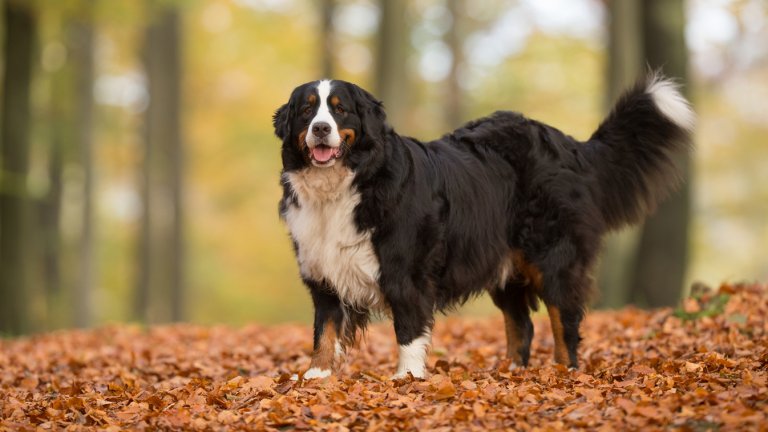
(321, 129)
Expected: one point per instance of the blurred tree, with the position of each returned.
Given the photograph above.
(71, 144)
(625, 47)
(327, 9)
(647, 265)
(160, 289)
(391, 65)
(662, 254)
(454, 109)
(83, 57)
(15, 232)
(624, 66)
(50, 205)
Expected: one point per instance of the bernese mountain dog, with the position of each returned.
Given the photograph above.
(382, 222)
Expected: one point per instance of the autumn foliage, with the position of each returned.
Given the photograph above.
(700, 367)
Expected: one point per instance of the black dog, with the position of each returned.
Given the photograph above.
(504, 204)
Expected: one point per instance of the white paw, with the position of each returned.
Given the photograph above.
(314, 373)
(413, 358)
(400, 374)
(417, 368)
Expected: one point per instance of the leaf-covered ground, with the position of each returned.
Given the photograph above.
(702, 367)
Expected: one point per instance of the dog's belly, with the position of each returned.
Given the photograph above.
(329, 245)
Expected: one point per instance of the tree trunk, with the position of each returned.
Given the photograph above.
(52, 247)
(662, 256)
(327, 8)
(144, 265)
(160, 294)
(624, 66)
(82, 56)
(50, 205)
(19, 25)
(392, 60)
(454, 109)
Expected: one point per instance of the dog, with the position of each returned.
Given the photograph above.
(507, 205)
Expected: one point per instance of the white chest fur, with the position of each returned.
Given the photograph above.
(330, 247)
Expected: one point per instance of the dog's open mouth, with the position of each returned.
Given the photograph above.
(324, 154)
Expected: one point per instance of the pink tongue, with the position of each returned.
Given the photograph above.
(322, 153)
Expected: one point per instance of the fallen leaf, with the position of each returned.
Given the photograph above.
(640, 370)
(444, 390)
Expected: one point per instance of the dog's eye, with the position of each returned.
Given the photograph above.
(308, 111)
(339, 109)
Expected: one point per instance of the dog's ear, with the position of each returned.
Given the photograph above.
(372, 114)
(282, 121)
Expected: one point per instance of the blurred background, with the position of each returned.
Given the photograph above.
(139, 172)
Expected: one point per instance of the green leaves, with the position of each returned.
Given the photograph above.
(703, 302)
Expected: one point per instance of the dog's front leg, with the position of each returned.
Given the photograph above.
(327, 347)
(412, 314)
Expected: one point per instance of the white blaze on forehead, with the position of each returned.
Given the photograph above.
(324, 115)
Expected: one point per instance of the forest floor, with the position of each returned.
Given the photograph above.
(703, 366)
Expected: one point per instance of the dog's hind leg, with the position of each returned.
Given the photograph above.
(565, 331)
(566, 284)
(566, 311)
(514, 304)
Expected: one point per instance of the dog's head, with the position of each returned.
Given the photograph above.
(326, 121)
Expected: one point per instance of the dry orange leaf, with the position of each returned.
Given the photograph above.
(638, 370)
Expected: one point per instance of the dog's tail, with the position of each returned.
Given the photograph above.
(637, 149)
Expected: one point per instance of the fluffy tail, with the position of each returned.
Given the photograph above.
(637, 149)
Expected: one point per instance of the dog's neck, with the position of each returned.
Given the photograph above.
(315, 185)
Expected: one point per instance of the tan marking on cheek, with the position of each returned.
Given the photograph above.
(302, 141)
(348, 136)
(323, 357)
(514, 339)
(302, 144)
(561, 350)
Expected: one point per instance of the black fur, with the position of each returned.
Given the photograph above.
(446, 214)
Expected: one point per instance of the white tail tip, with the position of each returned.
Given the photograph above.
(670, 102)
